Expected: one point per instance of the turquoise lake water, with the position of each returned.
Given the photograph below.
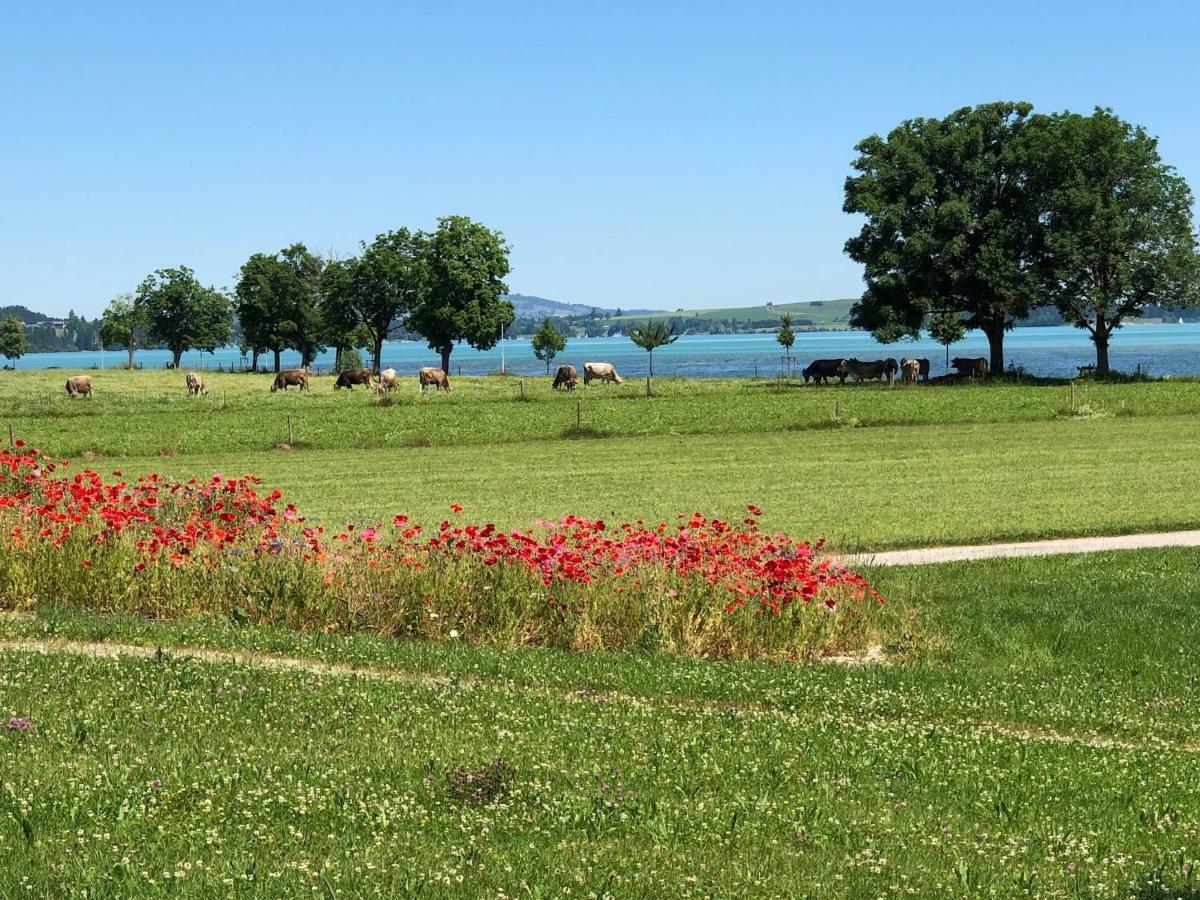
(1167, 349)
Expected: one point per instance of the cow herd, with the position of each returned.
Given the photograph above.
(820, 371)
(566, 377)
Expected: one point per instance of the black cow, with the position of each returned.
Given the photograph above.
(820, 370)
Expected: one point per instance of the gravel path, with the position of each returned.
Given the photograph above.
(927, 555)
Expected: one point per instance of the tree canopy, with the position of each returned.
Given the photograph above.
(382, 285)
(547, 342)
(952, 223)
(650, 336)
(1118, 225)
(278, 303)
(182, 313)
(464, 266)
(123, 324)
(786, 336)
(13, 343)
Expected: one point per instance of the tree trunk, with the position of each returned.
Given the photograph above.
(1100, 338)
(651, 355)
(254, 362)
(132, 350)
(337, 358)
(277, 352)
(176, 355)
(995, 336)
(446, 359)
(378, 360)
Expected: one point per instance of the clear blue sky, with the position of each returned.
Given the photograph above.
(636, 153)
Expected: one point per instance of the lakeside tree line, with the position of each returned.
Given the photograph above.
(446, 286)
(993, 211)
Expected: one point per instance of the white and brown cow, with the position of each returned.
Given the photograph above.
(602, 371)
(195, 384)
(79, 386)
(431, 376)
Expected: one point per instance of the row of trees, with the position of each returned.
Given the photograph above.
(446, 285)
(992, 211)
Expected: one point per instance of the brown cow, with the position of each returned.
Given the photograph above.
(566, 377)
(387, 381)
(347, 378)
(975, 366)
(429, 375)
(195, 384)
(290, 378)
(79, 385)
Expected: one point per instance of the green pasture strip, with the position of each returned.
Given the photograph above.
(859, 488)
(818, 780)
(1094, 643)
(149, 413)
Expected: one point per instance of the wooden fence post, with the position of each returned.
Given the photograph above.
(289, 428)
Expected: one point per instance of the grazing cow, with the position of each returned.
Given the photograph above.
(911, 369)
(290, 378)
(195, 384)
(605, 372)
(821, 370)
(975, 366)
(877, 368)
(924, 367)
(79, 386)
(348, 378)
(566, 377)
(429, 375)
(387, 381)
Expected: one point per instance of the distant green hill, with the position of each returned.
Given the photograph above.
(811, 314)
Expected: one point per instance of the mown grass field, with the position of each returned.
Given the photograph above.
(1034, 735)
(150, 414)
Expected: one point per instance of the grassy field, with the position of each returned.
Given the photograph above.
(1035, 735)
(149, 413)
(900, 467)
(860, 488)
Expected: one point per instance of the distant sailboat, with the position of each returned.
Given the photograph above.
(1180, 320)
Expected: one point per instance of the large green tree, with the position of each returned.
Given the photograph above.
(1118, 225)
(278, 303)
(13, 343)
(123, 324)
(951, 223)
(381, 286)
(547, 342)
(182, 313)
(465, 264)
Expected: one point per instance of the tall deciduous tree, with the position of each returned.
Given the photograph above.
(382, 285)
(338, 316)
(465, 264)
(1119, 230)
(278, 303)
(952, 222)
(184, 314)
(547, 342)
(13, 343)
(654, 334)
(123, 324)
